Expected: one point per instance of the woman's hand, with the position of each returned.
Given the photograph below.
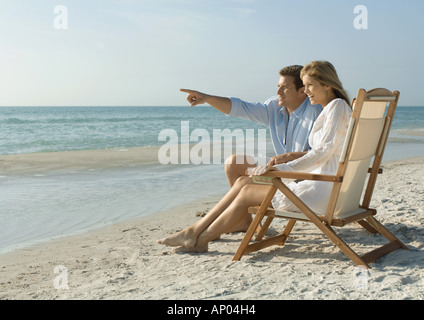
(260, 170)
(284, 158)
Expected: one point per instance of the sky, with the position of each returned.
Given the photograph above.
(140, 53)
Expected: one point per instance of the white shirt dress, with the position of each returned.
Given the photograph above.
(327, 140)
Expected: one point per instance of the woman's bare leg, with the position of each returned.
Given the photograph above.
(249, 195)
(236, 166)
(188, 236)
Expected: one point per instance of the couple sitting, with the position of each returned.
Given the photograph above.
(305, 138)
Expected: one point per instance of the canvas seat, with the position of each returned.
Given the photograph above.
(359, 165)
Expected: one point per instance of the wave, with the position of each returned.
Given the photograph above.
(414, 132)
(404, 140)
(17, 121)
(91, 120)
(70, 120)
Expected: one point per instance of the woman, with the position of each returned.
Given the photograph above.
(323, 87)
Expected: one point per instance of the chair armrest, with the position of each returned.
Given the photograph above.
(267, 177)
(299, 176)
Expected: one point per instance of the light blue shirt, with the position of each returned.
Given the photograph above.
(289, 132)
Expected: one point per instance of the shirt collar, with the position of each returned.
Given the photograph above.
(299, 111)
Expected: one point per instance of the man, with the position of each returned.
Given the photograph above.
(289, 117)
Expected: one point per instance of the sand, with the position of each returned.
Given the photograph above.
(123, 261)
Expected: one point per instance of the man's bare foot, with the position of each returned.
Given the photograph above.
(198, 249)
(183, 238)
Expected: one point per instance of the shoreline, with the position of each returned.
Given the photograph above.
(127, 225)
(122, 157)
(123, 261)
(64, 161)
(49, 195)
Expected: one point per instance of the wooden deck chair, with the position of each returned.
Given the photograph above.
(365, 141)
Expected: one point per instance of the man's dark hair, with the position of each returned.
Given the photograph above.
(293, 71)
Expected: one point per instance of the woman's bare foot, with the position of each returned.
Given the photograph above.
(184, 238)
(199, 249)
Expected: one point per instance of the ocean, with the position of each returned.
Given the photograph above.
(39, 207)
(50, 129)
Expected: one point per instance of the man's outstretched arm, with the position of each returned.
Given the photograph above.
(195, 98)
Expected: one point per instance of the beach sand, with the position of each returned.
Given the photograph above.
(123, 261)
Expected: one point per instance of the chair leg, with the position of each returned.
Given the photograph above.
(248, 236)
(287, 230)
(367, 226)
(374, 226)
(322, 225)
(385, 232)
(381, 251)
(255, 223)
(393, 244)
(343, 246)
(274, 241)
(265, 227)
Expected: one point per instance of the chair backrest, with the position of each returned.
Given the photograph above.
(366, 139)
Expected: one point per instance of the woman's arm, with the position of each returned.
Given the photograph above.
(333, 135)
(284, 158)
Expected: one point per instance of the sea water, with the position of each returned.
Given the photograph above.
(48, 129)
(35, 208)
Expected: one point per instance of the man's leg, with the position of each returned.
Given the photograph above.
(188, 236)
(250, 195)
(235, 167)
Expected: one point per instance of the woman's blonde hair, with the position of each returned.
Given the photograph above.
(326, 74)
